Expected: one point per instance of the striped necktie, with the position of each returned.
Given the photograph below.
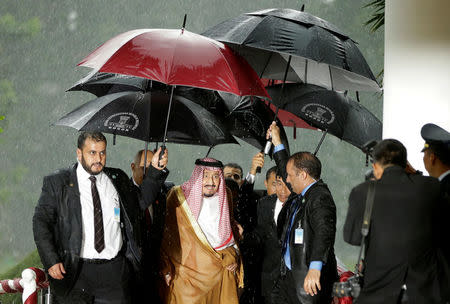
(99, 238)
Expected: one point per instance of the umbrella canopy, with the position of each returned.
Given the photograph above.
(330, 111)
(176, 57)
(127, 114)
(247, 118)
(314, 50)
(106, 83)
(250, 124)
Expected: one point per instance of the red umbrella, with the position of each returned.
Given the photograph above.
(290, 120)
(176, 57)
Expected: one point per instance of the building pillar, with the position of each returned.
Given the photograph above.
(416, 71)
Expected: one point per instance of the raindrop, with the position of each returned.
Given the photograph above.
(72, 20)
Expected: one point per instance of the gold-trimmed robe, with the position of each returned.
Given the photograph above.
(199, 274)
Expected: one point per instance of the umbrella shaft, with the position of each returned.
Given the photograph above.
(145, 157)
(321, 141)
(168, 115)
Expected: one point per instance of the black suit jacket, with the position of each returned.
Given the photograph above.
(245, 211)
(57, 222)
(400, 244)
(267, 243)
(445, 186)
(317, 216)
(445, 245)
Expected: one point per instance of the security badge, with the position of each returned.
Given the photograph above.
(298, 236)
(298, 239)
(116, 210)
(116, 214)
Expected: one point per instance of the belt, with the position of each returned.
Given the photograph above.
(102, 261)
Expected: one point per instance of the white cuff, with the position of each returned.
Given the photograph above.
(250, 178)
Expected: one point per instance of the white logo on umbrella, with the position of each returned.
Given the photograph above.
(319, 113)
(123, 121)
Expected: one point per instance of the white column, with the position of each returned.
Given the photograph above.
(417, 71)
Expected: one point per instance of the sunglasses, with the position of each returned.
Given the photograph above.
(235, 176)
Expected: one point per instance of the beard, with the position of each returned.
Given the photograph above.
(88, 168)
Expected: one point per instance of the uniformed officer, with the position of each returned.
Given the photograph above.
(436, 159)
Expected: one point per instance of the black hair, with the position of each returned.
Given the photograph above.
(390, 152)
(236, 166)
(270, 171)
(96, 136)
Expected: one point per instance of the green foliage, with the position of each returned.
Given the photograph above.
(32, 260)
(7, 93)
(9, 178)
(7, 97)
(2, 117)
(10, 26)
(375, 22)
(377, 18)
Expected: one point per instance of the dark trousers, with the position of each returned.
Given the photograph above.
(284, 291)
(101, 283)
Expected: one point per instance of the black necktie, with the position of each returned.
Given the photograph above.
(99, 239)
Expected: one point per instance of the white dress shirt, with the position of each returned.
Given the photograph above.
(441, 177)
(111, 225)
(278, 206)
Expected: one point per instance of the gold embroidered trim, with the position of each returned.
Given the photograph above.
(194, 224)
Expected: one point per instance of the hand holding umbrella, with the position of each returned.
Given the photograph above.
(257, 163)
(274, 133)
(159, 161)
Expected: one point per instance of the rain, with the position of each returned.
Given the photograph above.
(41, 44)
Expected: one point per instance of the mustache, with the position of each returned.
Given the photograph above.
(209, 185)
(96, 164)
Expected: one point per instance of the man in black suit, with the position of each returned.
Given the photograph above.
(152, 226)
(400, 249)
(84, 222)
(436, 158)
(245, 215)
(307, 229)
(265, 235)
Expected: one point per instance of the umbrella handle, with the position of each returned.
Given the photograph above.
(266, 151)
(258, 169)
(163, 150)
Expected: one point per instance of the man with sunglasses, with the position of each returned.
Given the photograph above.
(152, 226)
(245, 215)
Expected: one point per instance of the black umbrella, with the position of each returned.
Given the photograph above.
(127, 114)
(330, 111)
(106, 83)
(247, 118)
(304, 47)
